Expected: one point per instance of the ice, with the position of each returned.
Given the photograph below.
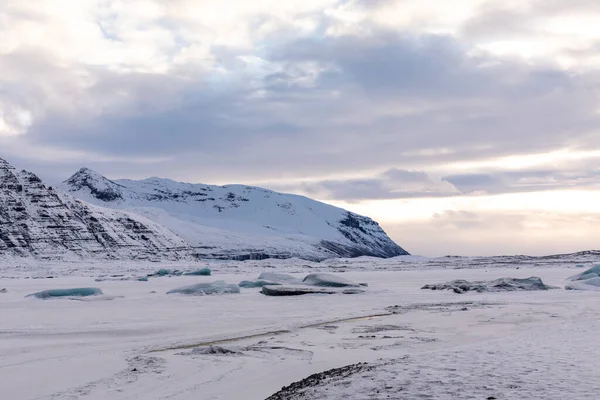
(257, 283)
(278, 277)
(585, 284)
(317, 283)
(3, 290)
(201, 289)
(498, 285)
(76, 292)
(328, 280)
(588, 284)
(587, 274)
(587, 280)
(166, 272)
(199, 272)
(297, 290)
(121, 278)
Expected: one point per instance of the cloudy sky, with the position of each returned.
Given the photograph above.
(464, 127)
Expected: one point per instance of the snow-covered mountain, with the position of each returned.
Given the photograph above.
(38, 221)
(237, 221)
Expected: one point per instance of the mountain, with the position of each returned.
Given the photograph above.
(37, 221)
(237, 221)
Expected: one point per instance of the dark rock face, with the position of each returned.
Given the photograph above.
(36, 221)
(100, 187)
(298, 390)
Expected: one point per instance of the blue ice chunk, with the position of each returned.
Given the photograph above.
(201, 289)
(117, 278)
(587, 274)
(328, 280)
(585, 284)
(77, 292)
(257, 283)
(199, 272)
(278, 277)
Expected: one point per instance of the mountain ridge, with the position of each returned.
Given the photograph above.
(271, 224)
(89, 216)
(40, 222)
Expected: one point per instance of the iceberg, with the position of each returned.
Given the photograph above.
(57, 293)
(317, 283)
(328, 280)
(587, 274)
(121, 278)
(202, 289)
(199, 272)
(257, 283)
(298, 290)
(585, 284)
(166, 272)
(587, 280)
(278, 277)
(498, 285)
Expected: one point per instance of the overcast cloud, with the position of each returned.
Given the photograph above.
(339, 100)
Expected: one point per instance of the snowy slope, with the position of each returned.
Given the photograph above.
(39, 222)
(237, 221)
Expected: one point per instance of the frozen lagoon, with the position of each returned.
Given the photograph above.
(139, 345)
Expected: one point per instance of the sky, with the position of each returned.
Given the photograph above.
(465, 127)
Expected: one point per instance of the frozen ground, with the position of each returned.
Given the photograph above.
(416, 343)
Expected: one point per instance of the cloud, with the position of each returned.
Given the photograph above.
(490, 233)
(391, 184)
(225, 96)
(405, 184)
(379, 99)
(528, 180)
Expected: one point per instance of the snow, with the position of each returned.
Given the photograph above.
(512, 345)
